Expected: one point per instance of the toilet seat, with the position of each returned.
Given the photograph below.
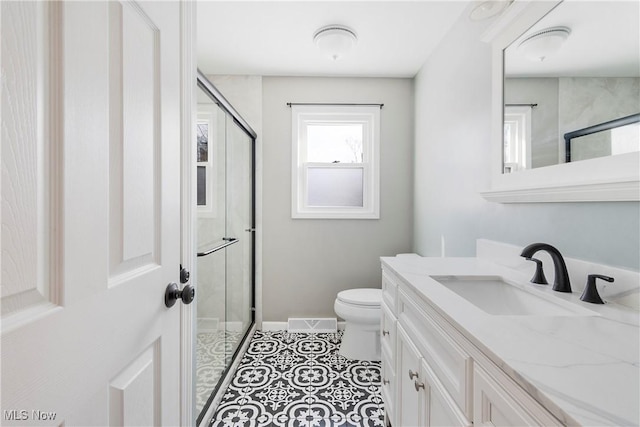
(363, 297)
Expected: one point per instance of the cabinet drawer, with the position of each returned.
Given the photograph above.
(388, 331)
(498, 401)
(390, 290)
(450, 363)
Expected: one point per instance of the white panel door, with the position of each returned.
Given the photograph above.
(90, 215)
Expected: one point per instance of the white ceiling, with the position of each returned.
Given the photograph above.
(604, 42)
(276, 37)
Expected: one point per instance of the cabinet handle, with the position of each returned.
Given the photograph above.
(385, 333)
(412, 374)
(418, 385)
(385, 381)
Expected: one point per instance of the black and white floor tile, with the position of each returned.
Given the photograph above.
(213, 351)
(296, 379)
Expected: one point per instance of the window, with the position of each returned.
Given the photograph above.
(335, 161)
(206, 196)
(517, 138)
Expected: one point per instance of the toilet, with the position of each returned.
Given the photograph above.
(360, 308)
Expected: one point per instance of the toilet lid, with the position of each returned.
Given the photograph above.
(364, 296)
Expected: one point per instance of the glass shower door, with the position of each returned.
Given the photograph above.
(224, 273)
(239, 225)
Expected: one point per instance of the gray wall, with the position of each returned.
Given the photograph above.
(306, 262)
(452, 164)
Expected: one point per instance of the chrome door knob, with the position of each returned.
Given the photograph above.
(412, 374)
(173, 293)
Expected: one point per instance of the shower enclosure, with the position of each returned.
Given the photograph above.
(226, 239)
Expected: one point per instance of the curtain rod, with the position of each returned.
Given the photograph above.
(332, 103)
(521, 105)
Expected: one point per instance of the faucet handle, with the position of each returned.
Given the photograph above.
(590, 293)
(538, 276)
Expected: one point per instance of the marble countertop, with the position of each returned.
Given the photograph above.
(584, 369)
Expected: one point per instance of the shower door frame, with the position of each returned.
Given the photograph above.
(217, 97)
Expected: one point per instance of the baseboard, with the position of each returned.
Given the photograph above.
(282, 326)
(274, 326)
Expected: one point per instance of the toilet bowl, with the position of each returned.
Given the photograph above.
(360, 308)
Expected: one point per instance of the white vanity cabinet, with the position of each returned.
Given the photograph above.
(388, 332)
(434, 376)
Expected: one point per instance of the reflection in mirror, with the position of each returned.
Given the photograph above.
(577, 69)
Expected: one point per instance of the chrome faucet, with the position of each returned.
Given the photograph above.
(561, 282)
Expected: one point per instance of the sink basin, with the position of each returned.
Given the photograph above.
(493, 295)
(630, 299)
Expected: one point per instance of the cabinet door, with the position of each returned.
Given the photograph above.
(440, 408)
(388, 389)
(409, 401)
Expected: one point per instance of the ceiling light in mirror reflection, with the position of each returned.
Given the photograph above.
(544, 43)
(592, 77)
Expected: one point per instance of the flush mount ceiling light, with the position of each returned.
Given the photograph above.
(544, 43)
(488, 9)
(335, 41)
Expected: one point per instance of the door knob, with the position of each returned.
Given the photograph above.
(173, 293)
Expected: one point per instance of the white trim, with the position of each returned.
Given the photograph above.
(613, 178)
(206, 114)
(188, 215)
(609, 192)
(282, 326)
(369, 117)
(274, 326)
(521, 116)
(312, 324)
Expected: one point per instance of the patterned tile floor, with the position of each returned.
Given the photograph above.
(213, 351)
(295, 379)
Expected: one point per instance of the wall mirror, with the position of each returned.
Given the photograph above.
(566, 107)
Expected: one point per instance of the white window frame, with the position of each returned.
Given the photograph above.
(305, 115)
(206, 115)
(519, 120)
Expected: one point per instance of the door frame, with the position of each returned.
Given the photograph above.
(187, 212)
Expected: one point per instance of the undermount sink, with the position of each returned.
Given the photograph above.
(495, 296)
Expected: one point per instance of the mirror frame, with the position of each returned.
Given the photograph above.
(613, 178)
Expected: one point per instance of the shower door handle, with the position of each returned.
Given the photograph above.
(173, 293)
(226, 241)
